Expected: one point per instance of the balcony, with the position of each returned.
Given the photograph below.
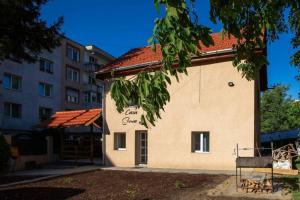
(92, 67)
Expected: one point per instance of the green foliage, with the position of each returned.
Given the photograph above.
(179, 39)
(4, 154)
(178, 32)
(179, 184)
(278, 110)
(23, 35)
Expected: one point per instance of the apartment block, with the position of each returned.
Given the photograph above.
(59, 80)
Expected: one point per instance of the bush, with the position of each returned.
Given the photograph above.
(4, 154)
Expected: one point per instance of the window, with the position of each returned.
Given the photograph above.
(92, 80)
(45, 89)
(72, 74)
(46, 66)
(200, 141)
(73, 53)
(120, 141)
(99, 97)
(72, 95)
(13, 110)
(92, 59)
(44, 113)
(12, 81)
(90, 97)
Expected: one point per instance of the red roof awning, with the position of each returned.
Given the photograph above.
(71, 118)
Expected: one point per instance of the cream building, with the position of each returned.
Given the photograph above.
(210, 111)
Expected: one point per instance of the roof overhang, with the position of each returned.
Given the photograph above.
(74, 118)
(204, 58)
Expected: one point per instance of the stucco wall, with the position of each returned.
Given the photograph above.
(201, 101)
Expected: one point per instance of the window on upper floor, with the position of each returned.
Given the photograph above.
(92, 80)
(91, 97)
(93, 59)
(45, 89)
(73, 53)
(72, 74)
(72, 95)
(11, 81)
(200, 142)
(44, 113)
(46, 66)
(13, 110)
(120, 141)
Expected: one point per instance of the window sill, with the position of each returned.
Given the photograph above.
(201, 152)
(121, 149)
(49, 97)
(14, 90)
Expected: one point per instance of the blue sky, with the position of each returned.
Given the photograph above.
(117, 26)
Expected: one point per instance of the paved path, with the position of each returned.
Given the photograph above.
(189, 171)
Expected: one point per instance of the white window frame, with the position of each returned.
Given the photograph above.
(44, 85)
(70, 98)
(201, 142)
(75, 74)
(73, 53)
(117, 141)
(11, 110)
(47, 67)
(11, 77)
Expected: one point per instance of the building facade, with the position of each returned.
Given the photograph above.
(210, 111)
(60, 80)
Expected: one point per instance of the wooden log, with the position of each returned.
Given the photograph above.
(292, 172)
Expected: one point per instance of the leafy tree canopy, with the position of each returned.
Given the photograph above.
(278, 110)
(178, 31)
(23, 35)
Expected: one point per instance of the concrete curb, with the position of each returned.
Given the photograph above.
(45, 178)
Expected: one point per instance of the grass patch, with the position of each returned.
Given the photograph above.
(292, 184)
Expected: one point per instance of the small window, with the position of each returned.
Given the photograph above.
(45, 89)
(12, 82)
(93, 59)
(46, 66)
(44, 113)
(73, 53)
(72, 95)
(120, 141)
(92, 80)
(13, 110)
(200, 141)
(72, 74)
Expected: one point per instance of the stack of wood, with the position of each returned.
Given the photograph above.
(256, 186)
(283, 153)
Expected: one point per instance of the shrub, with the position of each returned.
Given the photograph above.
(4, 154)
(179, 184)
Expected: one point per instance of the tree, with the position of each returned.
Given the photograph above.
(23, 35)
(178, 32)
(278, 110)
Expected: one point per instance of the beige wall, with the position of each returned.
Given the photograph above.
(201, 101)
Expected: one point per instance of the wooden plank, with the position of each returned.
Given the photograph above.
(293, 172)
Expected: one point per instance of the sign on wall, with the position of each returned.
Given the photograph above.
(131, 116)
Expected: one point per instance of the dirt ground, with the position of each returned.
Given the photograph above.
(120, 185)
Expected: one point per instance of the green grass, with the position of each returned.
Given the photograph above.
(296, 195)
(292, 183)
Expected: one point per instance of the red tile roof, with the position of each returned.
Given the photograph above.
(145, 54)
(71, 118)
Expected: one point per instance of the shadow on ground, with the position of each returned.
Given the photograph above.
(38, 193)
